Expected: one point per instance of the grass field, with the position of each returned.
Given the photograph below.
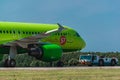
(60, 74)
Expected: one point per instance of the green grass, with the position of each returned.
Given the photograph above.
(61, 74)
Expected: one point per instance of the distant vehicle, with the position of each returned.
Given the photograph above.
(91, 60)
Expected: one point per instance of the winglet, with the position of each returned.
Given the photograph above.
(60, 27)
(56, 30)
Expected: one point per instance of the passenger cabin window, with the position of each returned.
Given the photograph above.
(26, 32)
(3, 31)
(10, 32)
(32, 32)
(29, 32)
(77, 34)
(6, 31)
(23, 32)
(14, 32)
(64, 34)
(18, 32)
(35, 32)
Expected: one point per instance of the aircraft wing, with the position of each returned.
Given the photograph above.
(35, 38)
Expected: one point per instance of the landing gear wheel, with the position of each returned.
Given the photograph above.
(60, 64)
(10, 63)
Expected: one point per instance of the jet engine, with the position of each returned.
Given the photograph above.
(45, 52)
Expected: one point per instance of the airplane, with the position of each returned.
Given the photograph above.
(45, 42)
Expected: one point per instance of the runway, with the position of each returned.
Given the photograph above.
(59, 68)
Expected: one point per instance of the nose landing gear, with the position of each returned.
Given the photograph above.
(10, 62)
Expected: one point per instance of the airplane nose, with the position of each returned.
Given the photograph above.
(82, 43)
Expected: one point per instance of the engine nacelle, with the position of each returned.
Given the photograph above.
(46, 52)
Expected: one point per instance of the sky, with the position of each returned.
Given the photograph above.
(97, 21)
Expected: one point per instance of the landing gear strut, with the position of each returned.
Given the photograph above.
(10, 62)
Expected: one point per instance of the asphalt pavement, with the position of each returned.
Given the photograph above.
(59, 68)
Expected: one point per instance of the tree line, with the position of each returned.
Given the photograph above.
(69, 59)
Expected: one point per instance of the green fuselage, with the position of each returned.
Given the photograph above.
(68, 39)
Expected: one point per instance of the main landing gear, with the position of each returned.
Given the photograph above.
(10, 62)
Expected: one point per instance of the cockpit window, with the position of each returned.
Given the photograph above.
(77, 34)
